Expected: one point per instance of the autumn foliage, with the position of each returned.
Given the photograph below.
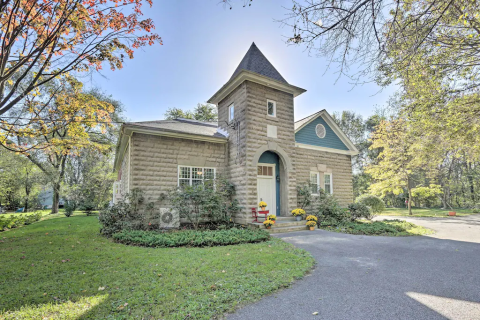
(41, 40)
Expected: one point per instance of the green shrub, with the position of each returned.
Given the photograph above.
(213, 202)
(126, 214)
(359, 211)
(476, 210)
(380, 228)
(375, 203)
(191, 238)
(69, 208)
(16, 221)
(328, 211)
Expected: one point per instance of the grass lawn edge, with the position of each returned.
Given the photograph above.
(253, 271)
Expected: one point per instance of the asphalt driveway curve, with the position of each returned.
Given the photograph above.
(369, 277)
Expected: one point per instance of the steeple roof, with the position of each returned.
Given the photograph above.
(255, 61)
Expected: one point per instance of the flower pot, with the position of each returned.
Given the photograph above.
(263, 208)
(299, 218)
(268, 227)
(452, 213)
(312, 228)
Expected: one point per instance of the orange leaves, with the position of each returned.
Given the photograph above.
(67, 29)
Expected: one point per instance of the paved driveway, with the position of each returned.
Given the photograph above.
(366, 277)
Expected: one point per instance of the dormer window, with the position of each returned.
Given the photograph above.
(231, 112)
(271, 108)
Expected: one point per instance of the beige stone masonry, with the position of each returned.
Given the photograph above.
(155, 160)
(339, 165)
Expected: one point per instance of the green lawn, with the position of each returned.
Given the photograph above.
(61, 268)
(425, 212)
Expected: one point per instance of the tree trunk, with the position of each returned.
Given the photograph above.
(470, 180)
(27, 194)
(409, 198)
(56, 198)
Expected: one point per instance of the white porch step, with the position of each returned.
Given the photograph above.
(283, 224)
(287, 229)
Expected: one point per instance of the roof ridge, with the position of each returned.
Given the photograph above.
(200, 122)
(255, 61)
(310, 115)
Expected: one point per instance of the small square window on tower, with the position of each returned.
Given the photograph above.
(231, 112)
(271, 108)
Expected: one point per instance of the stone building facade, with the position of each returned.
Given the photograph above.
(256, 144)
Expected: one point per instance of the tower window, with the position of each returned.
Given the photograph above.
(231, 112)
(271, 108)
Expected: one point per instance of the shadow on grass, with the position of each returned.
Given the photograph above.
(64, 268)
(393, 228)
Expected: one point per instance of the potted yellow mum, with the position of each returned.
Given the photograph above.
(268, 223)
(311, 224)
(298, 213)
(262, 205)
(272, 218)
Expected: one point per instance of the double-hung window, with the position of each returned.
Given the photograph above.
(327, 182)
(316, 185)
(194, 176)
(314, 182)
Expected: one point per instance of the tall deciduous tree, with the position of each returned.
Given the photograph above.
(202, 112)
(42, 40)
(428, 48)
(59, 127)
(397, 162)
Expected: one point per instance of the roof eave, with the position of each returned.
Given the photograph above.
(245, 75)
(128, 129)
(120, 149)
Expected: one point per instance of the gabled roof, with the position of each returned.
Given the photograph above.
(255, 61)
(306, 120)
(329, 120)
(181, 125)
(177, 128)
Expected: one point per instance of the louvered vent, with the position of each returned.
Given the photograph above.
(320, 131)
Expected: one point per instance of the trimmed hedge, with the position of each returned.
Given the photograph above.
(190, 238)
(379, 228)
(19, 220)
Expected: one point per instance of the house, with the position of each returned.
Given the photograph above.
(256, 144)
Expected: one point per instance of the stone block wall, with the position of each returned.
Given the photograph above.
(124, 175)
(236, 160)
(155, 160)
(257, 139)
(339, 164)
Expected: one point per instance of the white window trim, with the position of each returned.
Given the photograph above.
(267, 165)
(231, 115)
(318, 181)
(274, 108)
(191, 175)
(331, 181)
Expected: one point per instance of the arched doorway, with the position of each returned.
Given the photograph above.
(268, 181)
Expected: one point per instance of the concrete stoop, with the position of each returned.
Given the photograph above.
(283, 224)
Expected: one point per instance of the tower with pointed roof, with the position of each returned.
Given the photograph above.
(256, 145)
(256, 108)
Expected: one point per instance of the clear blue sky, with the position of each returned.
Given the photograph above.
(203, 42)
